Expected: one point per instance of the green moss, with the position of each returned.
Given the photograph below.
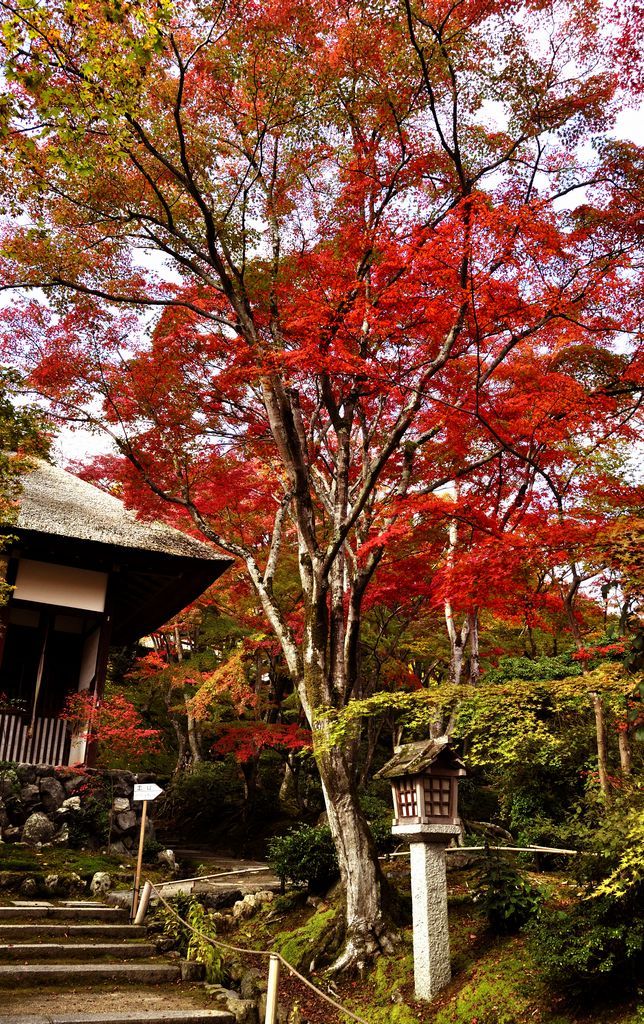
(501, 989)
(317, 936)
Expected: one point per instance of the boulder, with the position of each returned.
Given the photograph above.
(29, 888)
(62, 836)
(52, 794)
(126, 821)
(26, 773)
(221, 900)
(30, 794)
(121, 804)
(119, 848)
(100, 883)
(11, 834)
(37, 829)
(52, 884)
(9, 784)
(167, 860)
(253, 983)
(192, 970)
(72, 803)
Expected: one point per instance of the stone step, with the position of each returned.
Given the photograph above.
(33, 953)
(145, 1017)
(47, 930)
(15, 975)
(56, 913)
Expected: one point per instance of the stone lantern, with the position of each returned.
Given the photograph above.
(424, 780)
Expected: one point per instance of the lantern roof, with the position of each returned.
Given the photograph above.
(415, 758)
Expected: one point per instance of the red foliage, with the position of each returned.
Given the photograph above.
(247, 740)
(114, 723)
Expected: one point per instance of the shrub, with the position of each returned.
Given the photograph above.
(591, 950)
(507, 898)
(190, 926)
(305, 856)
(597, 946)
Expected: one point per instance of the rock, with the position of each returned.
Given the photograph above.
(9, 783)
(243, 1010)
(149, 830)
(219, 993)
(167, 859)
(119, 848)
(11, 834)
(72, 803)
(16, 810)
(62, 836)
(121, 804)
(126, 821)
(191, 970)
(122, 898)
(52, 884)
(122, 783)
(253, 983)
(29, 888)
(100, 883)
(265, 896)
(163, 944)
(26, 773)
(37, 829)
(30, 794)
(4, 817)
(221, 900)
(52, 794)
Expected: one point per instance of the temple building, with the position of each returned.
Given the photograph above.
(86, 574)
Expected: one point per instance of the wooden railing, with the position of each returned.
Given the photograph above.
(47, 744)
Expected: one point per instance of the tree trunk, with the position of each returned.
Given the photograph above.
(602, 745)
(181, 744)
(358, 860)
(193, 736)
(624, 752)
(475, 657)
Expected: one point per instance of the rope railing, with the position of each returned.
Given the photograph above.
(151, 887)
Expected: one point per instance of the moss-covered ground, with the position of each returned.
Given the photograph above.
(495, 980)
(19, 862)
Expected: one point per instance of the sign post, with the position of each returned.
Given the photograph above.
(143, 792)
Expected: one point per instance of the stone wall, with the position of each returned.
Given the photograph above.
(40, 804)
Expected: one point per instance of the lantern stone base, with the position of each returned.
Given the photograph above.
(432, 969)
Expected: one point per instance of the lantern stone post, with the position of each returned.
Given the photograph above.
(424, 778)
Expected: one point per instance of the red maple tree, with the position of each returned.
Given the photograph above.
(389, 231)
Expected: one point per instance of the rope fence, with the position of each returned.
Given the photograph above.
(151, 887)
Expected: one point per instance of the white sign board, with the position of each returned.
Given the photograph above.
(147, 791)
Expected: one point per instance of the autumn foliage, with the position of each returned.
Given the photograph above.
(394, 297)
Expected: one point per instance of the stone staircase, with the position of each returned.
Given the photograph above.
(83, 963)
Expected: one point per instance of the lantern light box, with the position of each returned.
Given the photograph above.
(424, 780)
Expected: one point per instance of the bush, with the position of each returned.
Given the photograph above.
(597, 946)
(190, 926)
(591, 950)
(507, 898)
(305, 856)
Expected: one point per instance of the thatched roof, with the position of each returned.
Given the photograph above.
(56, 502)
(155, 571)
(414, 758)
